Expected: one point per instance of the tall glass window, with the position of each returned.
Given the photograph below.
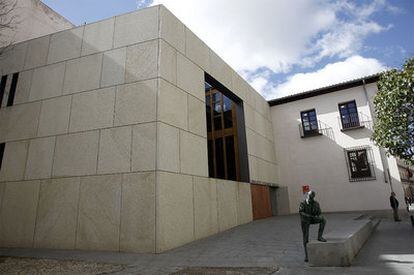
(222, 135)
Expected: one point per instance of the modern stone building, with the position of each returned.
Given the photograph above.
(104, 138)
(130, 134)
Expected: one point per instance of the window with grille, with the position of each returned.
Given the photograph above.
(360, 163)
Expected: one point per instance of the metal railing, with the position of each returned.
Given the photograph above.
(323, 129)
(355, 121)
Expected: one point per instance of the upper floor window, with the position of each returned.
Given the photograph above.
(349, 114)
(360, 163)
(309, 123)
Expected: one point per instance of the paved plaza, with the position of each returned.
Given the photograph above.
(269, 246)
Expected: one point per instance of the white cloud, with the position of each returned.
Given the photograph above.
(351, 68)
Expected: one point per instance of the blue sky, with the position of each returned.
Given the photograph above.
(285, 46)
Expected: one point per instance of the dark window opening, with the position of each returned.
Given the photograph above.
(225, 133)
(2, 146)
(349, 114)
(309, 122)
(2, 88)
(360, 163)
(12, 91)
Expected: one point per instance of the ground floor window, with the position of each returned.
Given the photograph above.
(360, 163)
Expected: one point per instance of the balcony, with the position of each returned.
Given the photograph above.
(323, 129)
(355, 121)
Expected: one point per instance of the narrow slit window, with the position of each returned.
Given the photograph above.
(2, 88)
(13, 87)
(2, 146)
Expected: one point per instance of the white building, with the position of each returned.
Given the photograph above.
(322, 138)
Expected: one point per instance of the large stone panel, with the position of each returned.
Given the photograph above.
(115, 150)
(244, 203)
(20, 121)
(143, 147)
(227, 204)
(12, 59)
(136, 103)
(98, 37)
(174, 211)
(14, 161)
(99, 213)
(40, 158)
(197, 116)
(65, 45)
(47, 81)
(205, 207)
(92, 110)
(141, 61)
(190, 77)
(168, 62)
(196, 50)
(136, 27)
(23, 87)
(168, 153)
(54, 116)
(172, 30)
(57, 213)
(193, 154)
(113, 68)
(18, 214)
(37, 50)
(138, 213)
(172, 105)
(76, 154)
(82, 74)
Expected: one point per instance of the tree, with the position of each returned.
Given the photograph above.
(394, 109)
(8, 21)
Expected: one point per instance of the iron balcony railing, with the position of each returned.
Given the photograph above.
(354, 121)
(323, 129)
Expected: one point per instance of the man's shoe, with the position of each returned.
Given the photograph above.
(321, 239)
(306, 260)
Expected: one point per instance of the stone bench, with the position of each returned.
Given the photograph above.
(342, 245)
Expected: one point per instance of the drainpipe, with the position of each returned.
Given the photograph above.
(381, 150)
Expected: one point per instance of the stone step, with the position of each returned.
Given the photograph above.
(343, 243)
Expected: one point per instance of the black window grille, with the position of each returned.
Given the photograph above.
(360, 163)
(309, 122)
(349, 114)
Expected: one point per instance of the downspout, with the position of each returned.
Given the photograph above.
(381, 150)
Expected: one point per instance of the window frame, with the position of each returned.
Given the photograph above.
(222, 133)
(359, 174)
(310, 132)
(353, 119)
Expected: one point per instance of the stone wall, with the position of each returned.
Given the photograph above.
(106, 144)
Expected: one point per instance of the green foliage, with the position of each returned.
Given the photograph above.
(394, 109)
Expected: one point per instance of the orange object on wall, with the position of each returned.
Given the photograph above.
(260, 201)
